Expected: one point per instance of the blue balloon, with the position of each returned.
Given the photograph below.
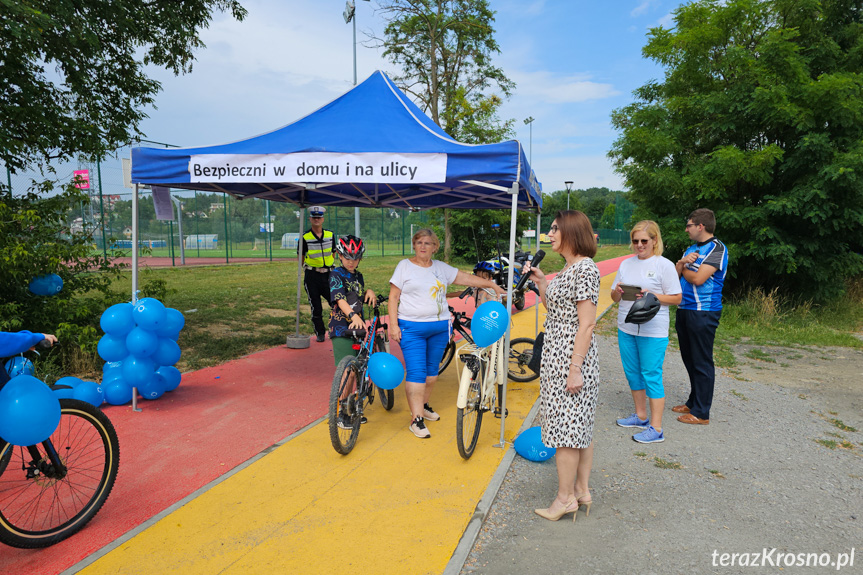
(89, 391)
(46, 285)
(138, 371)
(171, 375)
(141, 343)
(117, 391)
(530, 446)
(19, 365)
(153, 389)
(149, 314)
(29, 411)
(117, 319)
(385, 370)
(174, 322)
(111, 370)
(167, 352)
(489, 322)
(112, 348)
(70, 381)
(64, 392)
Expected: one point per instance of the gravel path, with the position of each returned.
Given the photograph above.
(755, 478)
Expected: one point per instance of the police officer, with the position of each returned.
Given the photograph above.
(317, 253)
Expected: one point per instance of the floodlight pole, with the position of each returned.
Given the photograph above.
(529, 122)
(568, 190)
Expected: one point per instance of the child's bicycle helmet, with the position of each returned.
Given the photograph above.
(485, 267)
(350, 247)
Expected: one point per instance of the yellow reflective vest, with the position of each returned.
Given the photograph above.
(319, 252)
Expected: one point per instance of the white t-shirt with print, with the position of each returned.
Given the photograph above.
(655, 274)
(423, 295)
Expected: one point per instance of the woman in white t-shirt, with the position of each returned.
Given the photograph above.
(419, 320)
(642, 347)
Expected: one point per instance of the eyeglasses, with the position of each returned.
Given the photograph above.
(692, 226)
(635, 242)
(553, 229)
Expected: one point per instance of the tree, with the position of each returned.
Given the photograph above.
(608, 218)
(760, 118)
(444, 49)
(73, 80)
(73, 85)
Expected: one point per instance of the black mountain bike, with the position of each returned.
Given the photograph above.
(520, 348)
(352, 390)
(50, 491)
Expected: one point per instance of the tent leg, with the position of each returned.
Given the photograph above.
(298, 341)
(536, 305)
(504, 359)
(135, 273)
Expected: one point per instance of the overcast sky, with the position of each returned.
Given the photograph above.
(573, 61)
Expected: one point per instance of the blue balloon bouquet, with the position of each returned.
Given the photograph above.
(140, 349)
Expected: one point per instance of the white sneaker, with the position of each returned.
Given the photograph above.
(429, 413)
(418, 427)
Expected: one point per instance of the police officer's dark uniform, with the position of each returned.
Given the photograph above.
(318, 260)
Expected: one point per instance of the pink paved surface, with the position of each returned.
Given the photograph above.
(217, 419)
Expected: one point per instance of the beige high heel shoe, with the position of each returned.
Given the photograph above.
(580, 500)
(546, 514)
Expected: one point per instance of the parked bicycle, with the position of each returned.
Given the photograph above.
(520, 348)
(477, 392)
(48, 492)
(352, 390)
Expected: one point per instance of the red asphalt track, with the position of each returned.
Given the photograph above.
(217, 419)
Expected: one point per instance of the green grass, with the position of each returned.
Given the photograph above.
(828, 443)
(839, 425)
(736, 393)
(666, 464)
(716, 473)
(640, 454)
(759, 354)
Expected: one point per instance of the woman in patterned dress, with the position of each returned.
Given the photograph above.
(569, 372)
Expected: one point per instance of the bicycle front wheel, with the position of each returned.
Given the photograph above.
(344, 417)
(39, 507)
(448, 354)
(469, 419)
(388, 396)
(520, 354)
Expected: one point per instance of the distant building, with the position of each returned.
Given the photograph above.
(217, 206)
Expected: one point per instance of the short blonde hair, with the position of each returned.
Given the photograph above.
(426, 233)
(651, 228)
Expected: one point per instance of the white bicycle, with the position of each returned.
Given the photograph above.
(483, 374)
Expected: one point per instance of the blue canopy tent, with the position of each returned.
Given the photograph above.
(370, 147)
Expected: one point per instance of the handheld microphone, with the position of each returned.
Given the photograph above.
(524, 277)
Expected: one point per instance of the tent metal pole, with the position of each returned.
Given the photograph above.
(135, 245)
(503, 360)
(536, 305)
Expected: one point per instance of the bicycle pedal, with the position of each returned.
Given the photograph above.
(497, 412)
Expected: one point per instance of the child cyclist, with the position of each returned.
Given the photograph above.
(485, 270)
(347, 293)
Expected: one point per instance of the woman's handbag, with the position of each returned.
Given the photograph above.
(536, 358)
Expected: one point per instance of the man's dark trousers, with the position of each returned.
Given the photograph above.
(317, 286)
(696, 331)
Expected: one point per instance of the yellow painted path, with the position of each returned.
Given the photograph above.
(396, 504)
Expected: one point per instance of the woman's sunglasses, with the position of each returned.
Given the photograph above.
(642, 242)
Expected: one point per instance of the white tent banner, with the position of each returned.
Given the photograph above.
(324, 167)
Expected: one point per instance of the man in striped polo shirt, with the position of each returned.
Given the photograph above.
(702, 272)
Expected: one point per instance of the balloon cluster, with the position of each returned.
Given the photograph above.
(140, 349)
(530, 446)
(48, 284)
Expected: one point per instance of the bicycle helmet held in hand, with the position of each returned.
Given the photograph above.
(643, 309)
(350, 247)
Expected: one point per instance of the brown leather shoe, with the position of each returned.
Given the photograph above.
(680, 409)
(689, 418)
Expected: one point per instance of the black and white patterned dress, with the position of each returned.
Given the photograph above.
(567, 419)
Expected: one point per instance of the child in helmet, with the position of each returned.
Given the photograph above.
(485, 270)
(347, 293)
